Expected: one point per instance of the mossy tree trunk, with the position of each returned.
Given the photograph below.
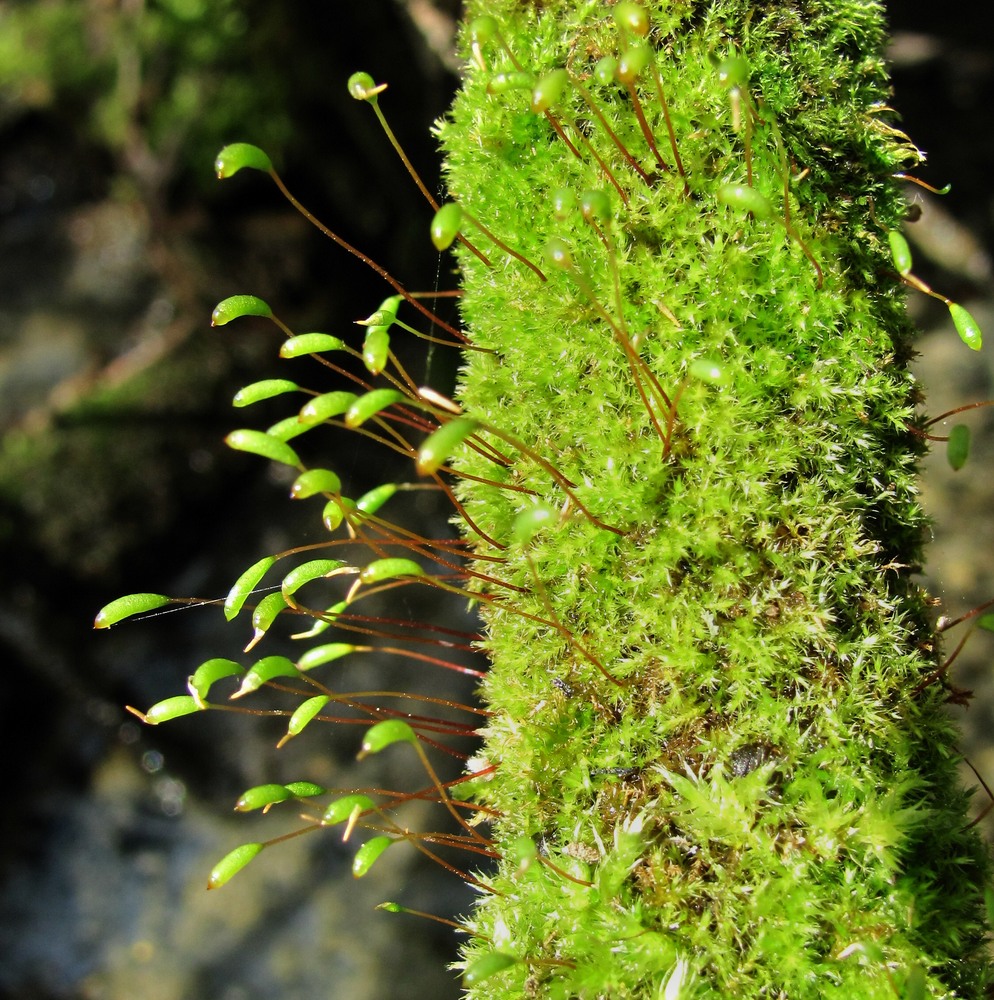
(708, 649)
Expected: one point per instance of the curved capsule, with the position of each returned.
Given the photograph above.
(326, 406)
(606, 70)
(385, 734)
(437, 448)
(632, 17)
(316, 569)
(266, 612)
(531, 521)
(262, 797)
(371, 403)
(232, 863)
(733, 72)
(266, 669)
(335, 510)
(208, 674)
(288, 428)
(313, 481)
(900, 251)
(327, 653)
(958, 447)
(500, 83)
(376, 349)
(236, 306)
(387, 569)
(266, 389)
(304, 789)
(128, 606)
(346, 807)
(445, 225)
(631, 63)
(966, 326)
(744, 198)
(708, 370)
(238, 156)
(374, 499)
(264, 445)
(244, 586)
(548, 91)
(369, 853)
(304, 715)
(310, 343)
(172, 708)
(486, 965)
(595, 206)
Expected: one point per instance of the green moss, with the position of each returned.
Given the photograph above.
(709, 715)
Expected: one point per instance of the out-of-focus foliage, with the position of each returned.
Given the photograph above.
(154, 80)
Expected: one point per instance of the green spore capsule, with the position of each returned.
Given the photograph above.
(335, 511)
(549, 90)
(632, 17)
(304, 715)
(267, 669)
(486, 965)
(606, 70)
(385, 734)
(232, 863)
(327, 653)
(437, 448)
(326, 406)
(501, 83)
(305, 789)
(558, 254)
(245, 584)
(236, 306)
(710, 371)
(364, 88)
(315, 569)
(264, 445)
(631, 64)
(389, 569)
(966, 326)
(262, 797)
(266, 389)
(265, 613)
(744, 198)
(209, 673)
(958, 446)
(733, 72)
(445, 225)
(172, 708)
(368, 854)
(900, 251)
(315, 481)
(531, 521)
(563, 203)
(595, 206)
(371, 501)
(348, 807)
(370, 404)
(376, 349)
(310, 343)
(128, 606)
(239, 155)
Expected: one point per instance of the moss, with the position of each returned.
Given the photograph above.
(750, 598)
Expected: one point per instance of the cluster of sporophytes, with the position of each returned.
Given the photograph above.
(714, 758)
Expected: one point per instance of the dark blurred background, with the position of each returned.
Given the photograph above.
(115, 243)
